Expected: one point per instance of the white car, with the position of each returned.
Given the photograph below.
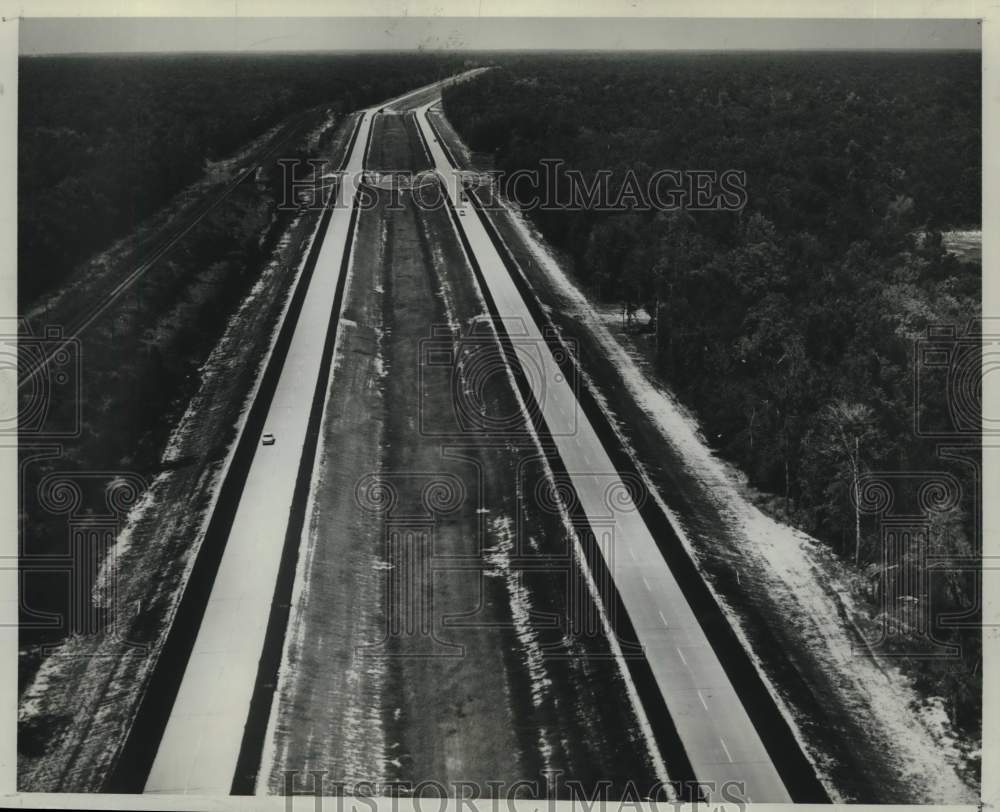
(267, 439)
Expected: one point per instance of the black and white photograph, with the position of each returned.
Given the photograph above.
(409, 411)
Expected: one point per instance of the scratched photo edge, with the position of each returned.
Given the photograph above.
(8, 484)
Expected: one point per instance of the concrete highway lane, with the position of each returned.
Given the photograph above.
(721, 742)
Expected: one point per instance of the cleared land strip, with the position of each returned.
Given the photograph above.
(721, 743)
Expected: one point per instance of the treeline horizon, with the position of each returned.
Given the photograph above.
(105, 140)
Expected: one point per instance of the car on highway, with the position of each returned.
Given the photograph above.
(267, 439)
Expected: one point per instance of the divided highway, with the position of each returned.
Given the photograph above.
(721, 742)
(211, 737)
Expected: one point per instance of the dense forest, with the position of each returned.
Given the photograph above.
(104, 141)
(790, 327)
